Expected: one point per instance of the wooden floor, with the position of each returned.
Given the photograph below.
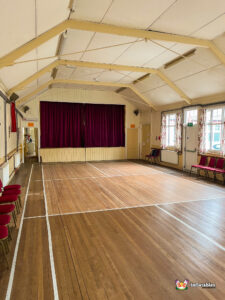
(117, 230)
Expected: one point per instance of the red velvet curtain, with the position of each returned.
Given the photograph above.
(61, 124)
(81, 125)
(104, 125)
(13, 117)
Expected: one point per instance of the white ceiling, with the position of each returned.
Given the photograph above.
(200, 75)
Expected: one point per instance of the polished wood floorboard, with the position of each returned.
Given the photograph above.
(133, 254)
(35, 206)
(75, 170)
(206, 216)
(32, 278)
(117, 191)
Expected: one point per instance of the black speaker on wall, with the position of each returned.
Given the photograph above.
(13, 97)
(136, 112)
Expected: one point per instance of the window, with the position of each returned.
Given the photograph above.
(213, 129)
(191, 116)
(170, 130)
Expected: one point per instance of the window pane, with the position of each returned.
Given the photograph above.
(216, 138)
(217, 115)
(208, 116)
(208, 137)
(191, 116)
(172, 119)
(171, 136)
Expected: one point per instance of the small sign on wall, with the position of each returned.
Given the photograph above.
(132, 125)
(30, 124)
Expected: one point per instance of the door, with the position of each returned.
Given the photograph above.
(132, 143)
(190, 143)
(145, 140)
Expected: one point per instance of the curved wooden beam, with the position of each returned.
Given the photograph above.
(23, 100)
(109, 29)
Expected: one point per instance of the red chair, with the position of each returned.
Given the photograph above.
(8, 209)
(10, 187)
(4, 241)
(10, 199)
(201, 164)
(210, 166)
(219, 168)
(17, 193)
(5, 220)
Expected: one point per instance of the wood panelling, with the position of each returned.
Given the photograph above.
(114, 153)
(82, 154)
(62, 154)
(132, 143)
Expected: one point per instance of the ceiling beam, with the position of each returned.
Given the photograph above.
(220, 55)
(9, 58)
(24, 99)
(136, 33)
(100, 83)
(33, 77)
(104, 28)
(174, 86)
(98, 66)
(74, 63)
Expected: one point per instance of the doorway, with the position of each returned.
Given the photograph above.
(30, 140)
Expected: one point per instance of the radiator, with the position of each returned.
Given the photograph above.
(4, 173)
(169, 157)
(17, 159)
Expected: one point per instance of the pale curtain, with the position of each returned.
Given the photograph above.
(163, 131)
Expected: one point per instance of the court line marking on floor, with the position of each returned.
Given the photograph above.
(121, 208)
(54, 280)
(192, 228)
(34, 194)
(89, 177)
(13, 267)
(97, 169)
(205, 185)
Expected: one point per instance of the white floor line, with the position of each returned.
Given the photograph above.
(192, 228)
(54, 281)
(34, 217)
(106, 175)
(31, 194)
(124, 208)
(208, 186)
(96, 177)
(13, 267)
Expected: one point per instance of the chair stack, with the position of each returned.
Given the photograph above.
(10, 204)
(215, 165)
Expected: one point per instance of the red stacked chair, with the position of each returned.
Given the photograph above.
(4, 241)
(11, 190)
(5, 221)
(201, 164)
(8, 209)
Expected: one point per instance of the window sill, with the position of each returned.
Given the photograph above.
(213, 154)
